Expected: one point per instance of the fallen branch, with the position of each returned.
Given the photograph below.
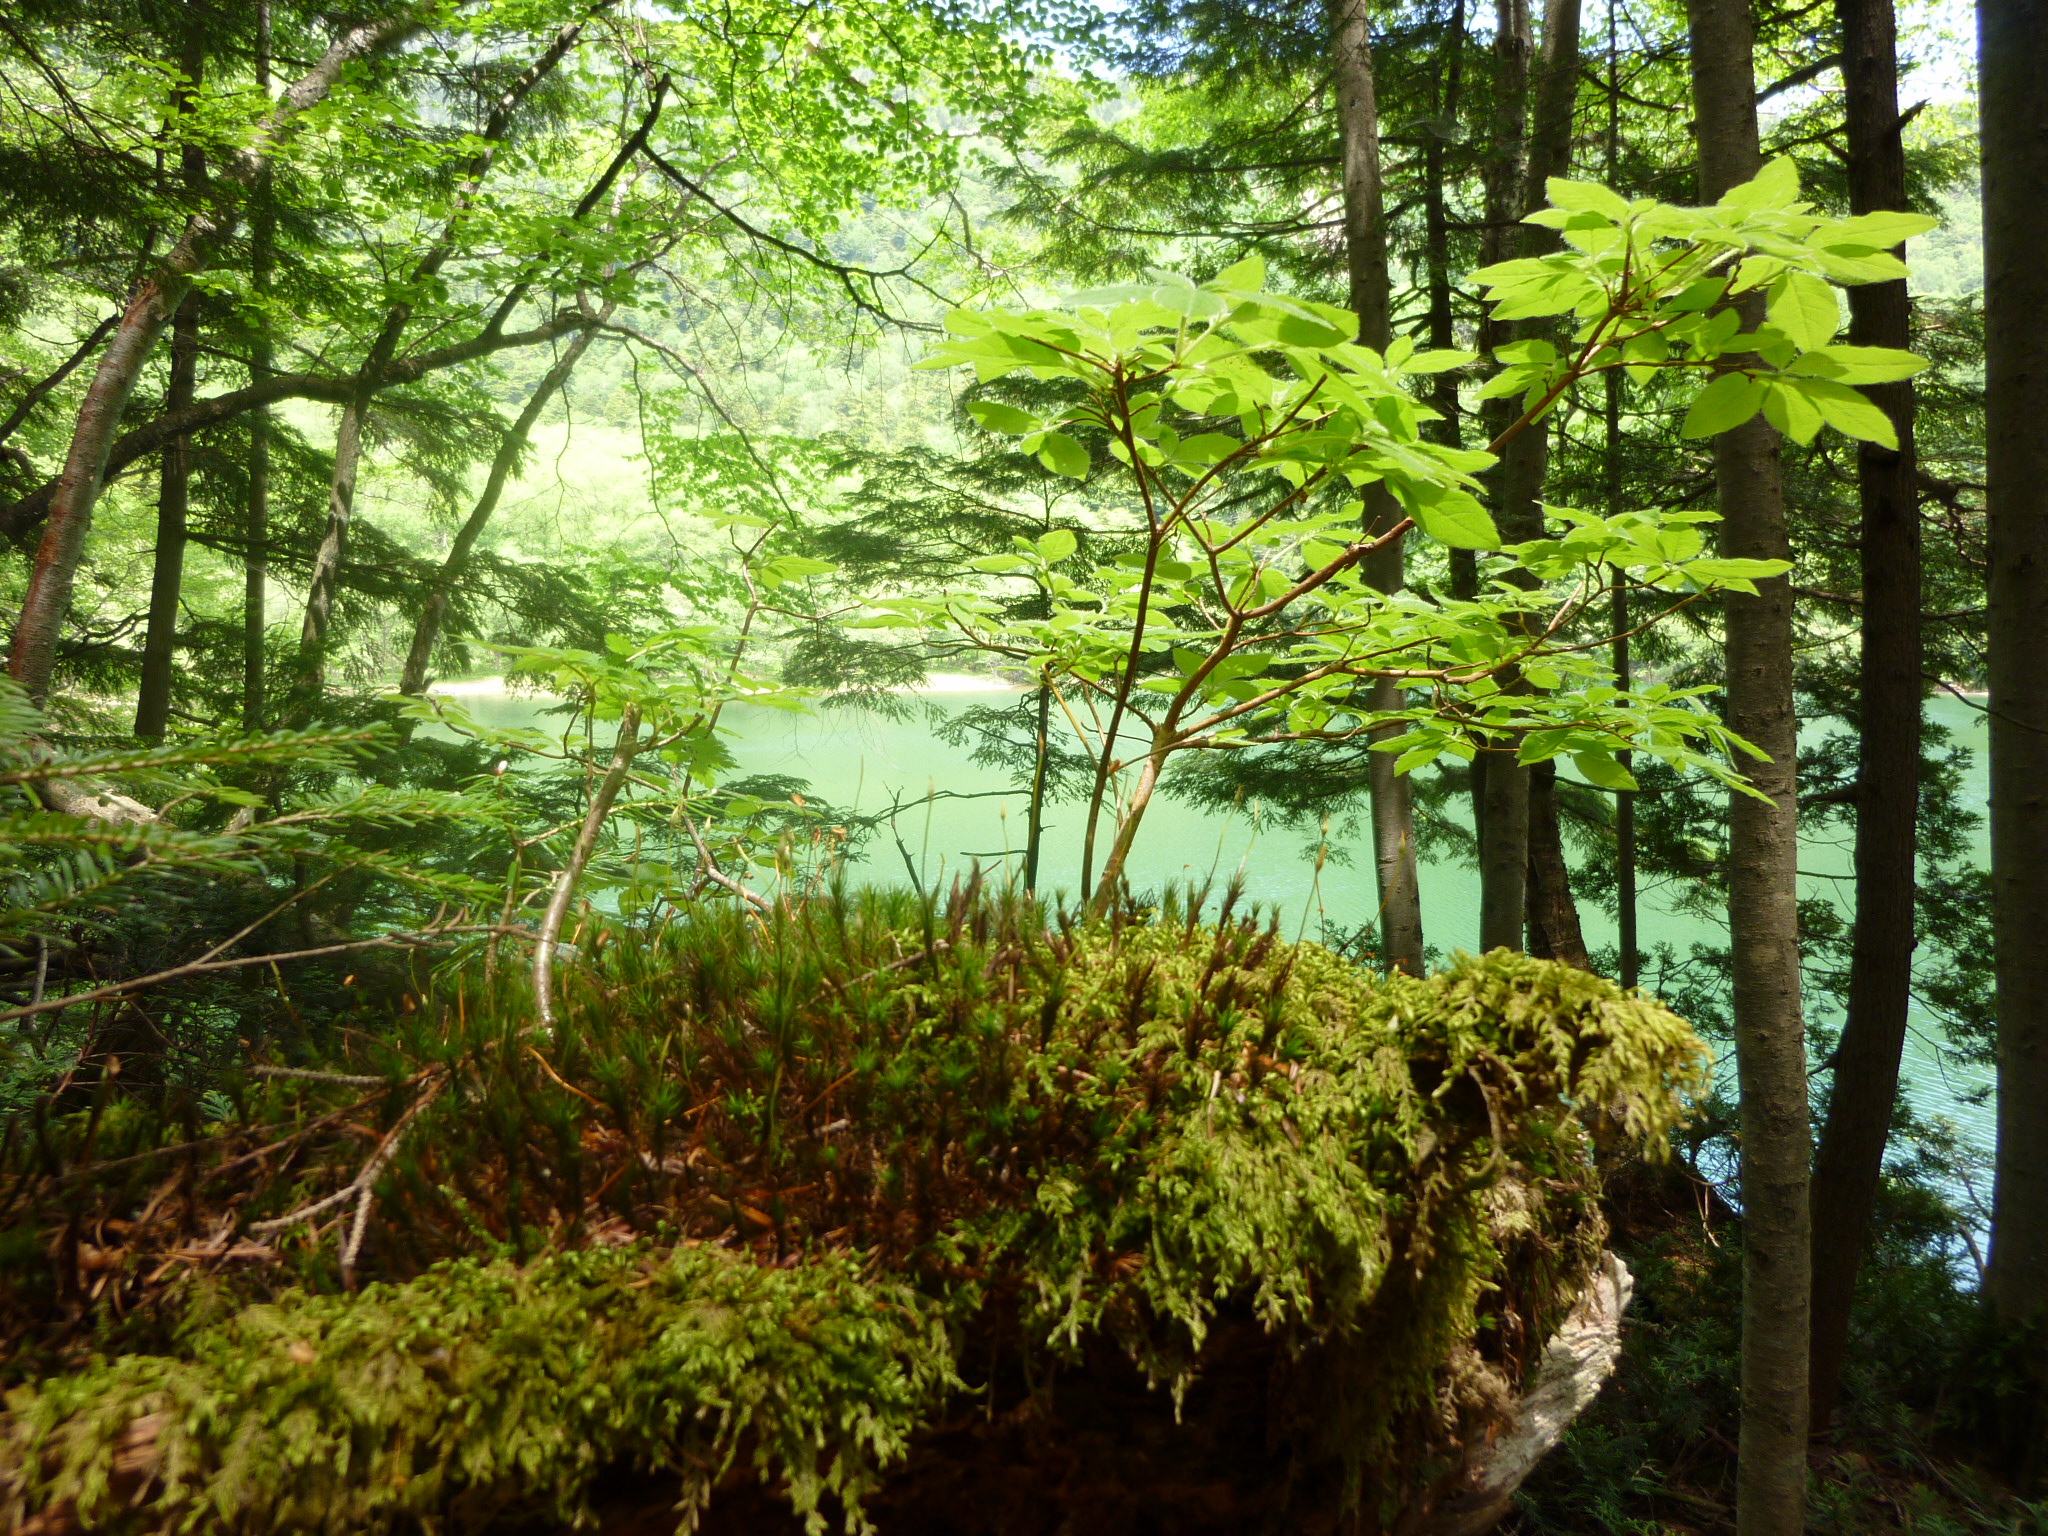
(362, 1188)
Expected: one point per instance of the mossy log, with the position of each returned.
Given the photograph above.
(947, 1221)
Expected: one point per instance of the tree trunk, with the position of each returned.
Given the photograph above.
(148, 311)
(1365, 247)
(435, 609)
(174, 495)
(1763, 920)
(1034, 833)
(256, 526)
(1624, 800)
(1500, 786)
(1554, 931)
(328, 558)
(2013, 97)
(1850, 1159)
(1525, 466)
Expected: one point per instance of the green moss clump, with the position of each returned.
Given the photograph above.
(483, 1391)
(1132, 1136)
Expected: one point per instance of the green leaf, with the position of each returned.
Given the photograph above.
(1439, 360)
(1600, 768)
(783, 568)
(1872, 231)
(1007, 419)
(1848, 412)
(1804, 308)
(1700, 293)
(1860, 365)
(1307, 331)
(1206, 448)
(1057, 544)
(1776, 187)
(1726, 403)
(1454, 518)
(1735, 570)
(1063, 456)
(1787, 408)
(1248, 276)
(1418, 757)
(1586, 197)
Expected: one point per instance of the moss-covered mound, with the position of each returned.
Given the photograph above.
(1004, 1224)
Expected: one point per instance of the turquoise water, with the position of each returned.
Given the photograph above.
(860, 761)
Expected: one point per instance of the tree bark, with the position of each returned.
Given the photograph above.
(1550, 916)
(1500, 786)
(256, 524)
(1850, 1159)
(156, 298)
(1553, 918)
(174, 476)
(1763, 920)
(174, 496)
(1624, 800)
(1365, 247)
(2013, 97)
(435, 609)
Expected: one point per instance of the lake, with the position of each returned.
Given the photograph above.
(863, 761)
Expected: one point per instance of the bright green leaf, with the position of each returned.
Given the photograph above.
(1007, 419)
(1804, 308)
(1063, 456)
(1724, 404)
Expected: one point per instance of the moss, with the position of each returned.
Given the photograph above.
(487, 1391)
(1058, 1138)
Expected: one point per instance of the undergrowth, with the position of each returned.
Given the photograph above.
(1655, 1455)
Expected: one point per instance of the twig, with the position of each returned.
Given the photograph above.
(718, 876)
(362, 1188)
(115, 989)
(306, 1074)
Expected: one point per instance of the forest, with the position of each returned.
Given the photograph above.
(947, 768)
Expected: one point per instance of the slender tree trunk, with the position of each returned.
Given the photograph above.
(348, 438)
(1850, 1159)
(328, 558)
(1551, 916)
(1512, 840)
(1554, 931)
(149, 309)
(1624, 800)
(1365, 245)
(1631, 961)
(174, 496)
(174, 478)
(1034, 834)
(1770, 1046)
(1500, 786)
(456, 564)
(256, 526)
(2012, 75)
(1503, 795)
(1446, 84)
